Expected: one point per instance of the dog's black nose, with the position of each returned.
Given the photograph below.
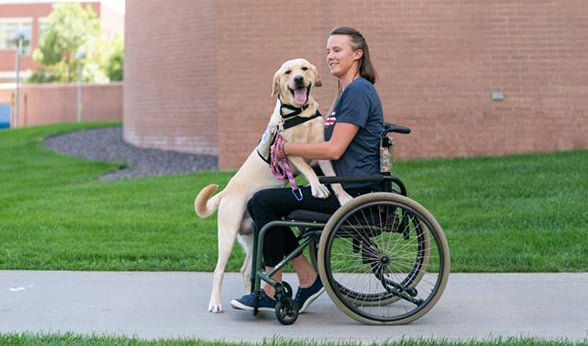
(299, 80)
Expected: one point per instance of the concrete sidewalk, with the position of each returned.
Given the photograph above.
(174, 305)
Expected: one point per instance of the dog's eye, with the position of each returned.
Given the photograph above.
(304, 68)
(288, 71)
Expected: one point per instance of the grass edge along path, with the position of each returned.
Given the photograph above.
(93, 340)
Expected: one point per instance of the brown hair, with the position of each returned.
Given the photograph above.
(366, 68)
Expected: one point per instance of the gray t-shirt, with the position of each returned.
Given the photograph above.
(359, 104)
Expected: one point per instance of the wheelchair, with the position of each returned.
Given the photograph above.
(382, 258)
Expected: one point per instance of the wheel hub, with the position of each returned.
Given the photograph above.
(384, 259)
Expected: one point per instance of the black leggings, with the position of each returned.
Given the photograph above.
(273, 204)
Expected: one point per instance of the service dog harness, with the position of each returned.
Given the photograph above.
(272, 141)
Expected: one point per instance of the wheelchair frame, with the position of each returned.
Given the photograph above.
(383, 258)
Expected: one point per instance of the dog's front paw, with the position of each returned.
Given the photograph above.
(215, 307)
(320, 191)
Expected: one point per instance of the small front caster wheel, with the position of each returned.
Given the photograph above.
(283, 288)
(286, 311)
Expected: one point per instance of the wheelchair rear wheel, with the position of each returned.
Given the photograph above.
(383, 259)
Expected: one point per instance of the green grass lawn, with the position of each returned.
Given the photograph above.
(522, 213)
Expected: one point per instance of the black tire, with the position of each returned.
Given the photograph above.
(383, 259)
(284, 288)
(286, 311)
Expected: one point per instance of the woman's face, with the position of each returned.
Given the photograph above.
(341, 57)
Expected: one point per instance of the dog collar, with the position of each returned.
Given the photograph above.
(295, 110)
(292, 119)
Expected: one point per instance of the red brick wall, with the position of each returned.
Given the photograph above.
(202, 71)
(170, 99)
(42, 104)
(442, 62)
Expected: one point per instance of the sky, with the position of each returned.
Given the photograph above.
(117, 5)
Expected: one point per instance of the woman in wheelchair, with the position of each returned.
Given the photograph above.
(352, 132)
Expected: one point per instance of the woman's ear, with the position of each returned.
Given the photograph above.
(358, 54)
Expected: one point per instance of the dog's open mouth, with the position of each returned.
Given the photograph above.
(300, 95)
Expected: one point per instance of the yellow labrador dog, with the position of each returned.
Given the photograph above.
(293, 83)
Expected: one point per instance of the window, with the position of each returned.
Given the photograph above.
(9, 27)
(43, 26)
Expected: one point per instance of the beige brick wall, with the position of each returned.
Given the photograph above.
(198, 74)
(42, 104)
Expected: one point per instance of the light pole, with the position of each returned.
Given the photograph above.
(17, 37)
(79, 56)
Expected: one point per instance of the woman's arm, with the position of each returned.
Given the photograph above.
(332, 149)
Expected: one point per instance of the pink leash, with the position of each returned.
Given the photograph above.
(281, 168)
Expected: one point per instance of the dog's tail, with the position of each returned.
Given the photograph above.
(204, 205)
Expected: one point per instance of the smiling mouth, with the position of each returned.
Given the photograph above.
(300, 95)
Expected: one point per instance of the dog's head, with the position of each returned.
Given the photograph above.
(294, 82)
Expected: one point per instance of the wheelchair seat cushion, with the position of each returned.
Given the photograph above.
(308, 215)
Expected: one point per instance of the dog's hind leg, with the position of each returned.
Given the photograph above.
(229, 220)
(246, 240)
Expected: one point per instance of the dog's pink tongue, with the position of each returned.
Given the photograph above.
(300, 96)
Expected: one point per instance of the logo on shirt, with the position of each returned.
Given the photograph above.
(331, 119)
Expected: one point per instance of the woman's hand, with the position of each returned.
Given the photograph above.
(278, 149)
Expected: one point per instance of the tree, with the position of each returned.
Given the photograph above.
(114, 64)
(72, 29)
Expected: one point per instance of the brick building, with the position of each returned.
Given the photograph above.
(28, 16)
(471, 78)
(38, 103)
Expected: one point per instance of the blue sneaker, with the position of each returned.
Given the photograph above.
(305, 296)
(247, 302)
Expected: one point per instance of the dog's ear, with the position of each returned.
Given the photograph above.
(317, 82)
(317, 78)
(276, 84)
